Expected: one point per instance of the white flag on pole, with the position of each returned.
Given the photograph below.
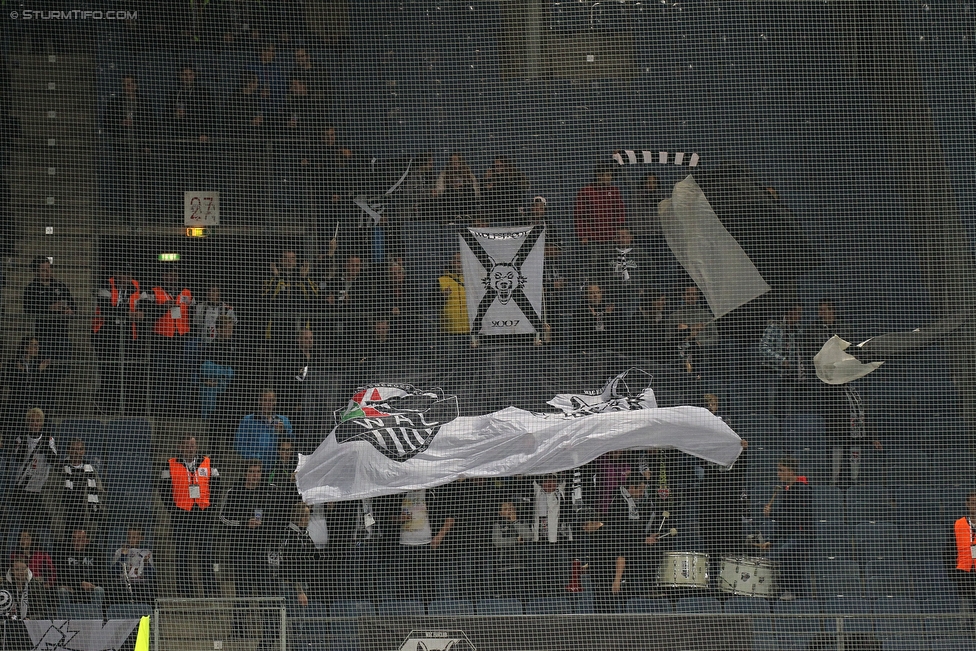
(503, 279)
(396, 438)
(707, 251)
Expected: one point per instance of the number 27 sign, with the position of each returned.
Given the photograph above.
(201, 209)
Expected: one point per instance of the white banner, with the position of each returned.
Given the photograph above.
(710, 255)
(79, 634)
(395, 438)
(503, 279)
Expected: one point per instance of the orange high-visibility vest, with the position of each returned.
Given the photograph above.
(99, 321)
(964, 542)
(182, 479)
(167, 325)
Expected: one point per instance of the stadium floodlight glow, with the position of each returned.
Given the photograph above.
(169, 257)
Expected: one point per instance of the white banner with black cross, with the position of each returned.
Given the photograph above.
(503, 279)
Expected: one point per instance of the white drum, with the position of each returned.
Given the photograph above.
(748, 576)
(684, 569)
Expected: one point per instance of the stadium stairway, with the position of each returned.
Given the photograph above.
(52, 175)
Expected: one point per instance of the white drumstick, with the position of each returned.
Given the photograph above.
(672, 532)
(664, 516)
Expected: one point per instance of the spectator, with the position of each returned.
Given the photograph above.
(628, 272)
(271, 79)
(81, 575)
(785, 351)
(129, 125)
(134, 569)
(598, 213)
(508, 537)
(295, 381)
(223, 380)
(258, 433)
(247, 511)
(288, 294)
(192, 123)
(303, 114)
(83, 494)
(49, 302)
(792, 508)
(318, 79)
(33, 454)
(207, 314)
(349, 300)
(457, 190)
(462, 556)
(171, 307)
(422, 530)
(118, 335)
(193, 110)
(250, 123)
(297, 557)
(556, 287)
(186, 486)
(538, 211)
(596, 321)
(649, 327)
(846, 429)
(38, 561)
(548, 555)
(454, 313)
(28, 595)
(400, 306)
(504, 188)
(412, 202)
(29, 383)
(693, 334)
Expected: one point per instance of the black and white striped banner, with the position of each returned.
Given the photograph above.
(648, 157)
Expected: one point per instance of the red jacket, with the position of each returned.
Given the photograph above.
(599, 213)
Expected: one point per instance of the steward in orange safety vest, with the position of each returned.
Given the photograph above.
(119, 294)
(189, 479)
(175, 320)
(964, 534)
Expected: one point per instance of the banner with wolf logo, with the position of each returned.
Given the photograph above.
(392, 438)
(503, 279)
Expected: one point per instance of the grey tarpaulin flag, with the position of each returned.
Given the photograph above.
(839, 363)
(80, 634)
(393, 438)
(712, 257)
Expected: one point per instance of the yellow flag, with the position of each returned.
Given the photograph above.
(142, 639)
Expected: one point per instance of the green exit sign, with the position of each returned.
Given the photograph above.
(169, 257)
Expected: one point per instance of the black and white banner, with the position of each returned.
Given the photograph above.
(396, 438)
(503, 279)
(69, 634)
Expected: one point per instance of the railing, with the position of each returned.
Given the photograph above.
(181, 624)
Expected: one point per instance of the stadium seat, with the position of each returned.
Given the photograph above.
(549, 606)
(79, 611)
(128, 611)
(648, 606)
(499, 607)
(905, 643)
(761, 624)
(401, 608)
(833, 542)
(837, 578)
(866, 503)
(953, 644)
(346, 632)
(92, 432)
(450, 607)
(828, 503)
(886, 579)
(855, 613)
(796, 632)
(877, 541)
(890, 624)
(804, 430)
(697, 605)
(311, 628)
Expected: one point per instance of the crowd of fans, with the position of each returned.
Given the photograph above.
(519, 537)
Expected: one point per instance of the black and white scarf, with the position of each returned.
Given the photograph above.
(84, 475)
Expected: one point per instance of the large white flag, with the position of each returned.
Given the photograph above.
(79, 634)
(395, 438)
(707, 251)
(503, 278)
